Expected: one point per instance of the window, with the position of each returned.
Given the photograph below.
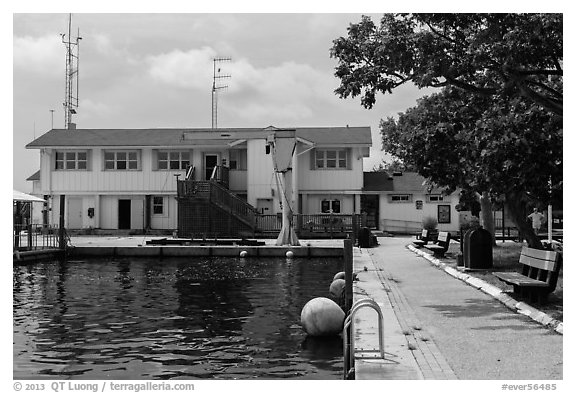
(173, 160)
(400, 198)
(435, 198)
(121, 160)
(71, 160)
(443, 214)
(331, 159)
(330, 206)
(238, 159)
(158, 205)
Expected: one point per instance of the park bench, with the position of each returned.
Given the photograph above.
(421, 239)
(539, 275)
(440, 246)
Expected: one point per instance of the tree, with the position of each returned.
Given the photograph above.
(506, 146)
(394, 165)
(506, 55)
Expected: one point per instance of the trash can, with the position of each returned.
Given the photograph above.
(364, 238)
(478, 249)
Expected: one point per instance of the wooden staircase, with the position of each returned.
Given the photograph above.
(209, 208)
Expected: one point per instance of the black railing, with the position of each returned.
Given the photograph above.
(35, 237)
(311, 223)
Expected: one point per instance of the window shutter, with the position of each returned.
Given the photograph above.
(348, 158)
(312, 159)
(154, 159)
(89, 159)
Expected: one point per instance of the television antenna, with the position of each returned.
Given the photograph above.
(215, 87)
(72, 58)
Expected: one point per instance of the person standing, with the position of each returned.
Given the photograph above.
(537, 220)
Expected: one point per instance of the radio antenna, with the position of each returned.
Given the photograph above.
(215, 87)
(72, 61)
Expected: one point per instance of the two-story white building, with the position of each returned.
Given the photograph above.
(126, 178)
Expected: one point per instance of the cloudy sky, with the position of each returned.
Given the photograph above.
(155, 70)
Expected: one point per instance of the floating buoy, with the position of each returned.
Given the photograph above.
(337, 288)
(243, 254)
(289, 254)
(322, 317)
(338, 275)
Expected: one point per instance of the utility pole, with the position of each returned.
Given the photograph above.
(215, 87)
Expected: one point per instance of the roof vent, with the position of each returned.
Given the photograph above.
(396, 173)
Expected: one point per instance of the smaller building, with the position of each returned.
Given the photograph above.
(398, 202)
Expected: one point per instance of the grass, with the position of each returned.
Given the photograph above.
(505, 258)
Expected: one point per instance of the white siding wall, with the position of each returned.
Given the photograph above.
(406, 211)
(330, 179)
(260, 176)
(313, 203)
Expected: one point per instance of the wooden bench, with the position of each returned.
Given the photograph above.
(539, 276)
(421, 239)
(440, 246)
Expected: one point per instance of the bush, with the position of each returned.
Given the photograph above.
(430, 223)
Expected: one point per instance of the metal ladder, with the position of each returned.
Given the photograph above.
(349, 347)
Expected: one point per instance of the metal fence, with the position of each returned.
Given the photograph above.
(311, 223)
(35, 237)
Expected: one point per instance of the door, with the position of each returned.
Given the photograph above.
(124, 213)
(210, 161)
(370, 204)
(75, 213)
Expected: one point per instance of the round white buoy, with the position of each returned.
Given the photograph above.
(289, 254)
(322, 317)
(339, 275)
(243, 254)
(337, 288)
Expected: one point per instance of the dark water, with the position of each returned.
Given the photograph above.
(171, 318)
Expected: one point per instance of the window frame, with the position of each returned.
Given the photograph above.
(332, 204)
(171, 157)
(124, 162)
(155, 204)
(400, 198)
(75, 159)
(240, 160)
(444, 211)
(325, 158)
(435, 198)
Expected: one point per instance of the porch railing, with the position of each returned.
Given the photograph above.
(311, 223)
(33, 237)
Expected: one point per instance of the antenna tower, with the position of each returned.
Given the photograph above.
(72, 58)
(216, 87)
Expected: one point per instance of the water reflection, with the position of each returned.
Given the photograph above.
(144, 319)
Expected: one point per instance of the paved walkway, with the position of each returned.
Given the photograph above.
(451, 329)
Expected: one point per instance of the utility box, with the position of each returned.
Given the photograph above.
(478, 249)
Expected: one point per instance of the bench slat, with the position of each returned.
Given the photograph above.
(519, 279)
(539, 259)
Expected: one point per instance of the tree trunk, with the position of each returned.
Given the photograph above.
(517, 208)
(486, 214)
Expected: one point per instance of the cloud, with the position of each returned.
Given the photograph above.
(190, 69)
(287, 91)
(43, 55)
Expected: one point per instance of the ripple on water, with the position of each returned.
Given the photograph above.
(170, 319)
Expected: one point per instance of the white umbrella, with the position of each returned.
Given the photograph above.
(21, 197)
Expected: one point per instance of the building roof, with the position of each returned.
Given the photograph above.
(35, 176)
(397, 182)
(164, 137)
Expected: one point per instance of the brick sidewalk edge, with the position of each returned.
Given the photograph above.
(498, 294)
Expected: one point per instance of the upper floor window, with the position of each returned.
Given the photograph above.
(173, 160)
(400, 198)
(331, 159)
(121, 160)
(238, 159)
(71, 160)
